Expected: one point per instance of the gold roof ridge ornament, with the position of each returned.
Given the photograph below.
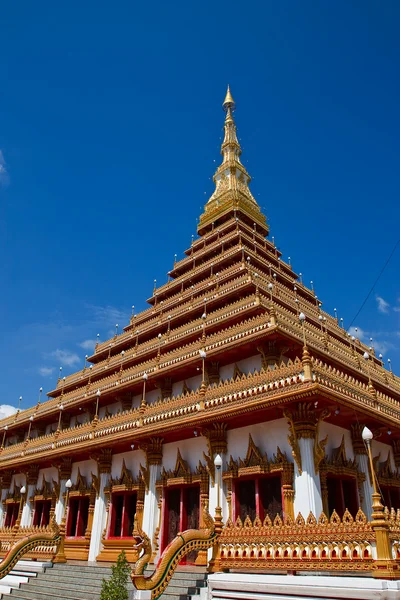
(232, 195)
(229, 102)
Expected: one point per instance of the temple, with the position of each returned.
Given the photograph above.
(235, 359)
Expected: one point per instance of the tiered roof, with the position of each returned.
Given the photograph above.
(231, 296)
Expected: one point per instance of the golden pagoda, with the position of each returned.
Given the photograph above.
(233, 394)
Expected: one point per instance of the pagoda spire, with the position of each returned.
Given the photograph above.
(231, 178)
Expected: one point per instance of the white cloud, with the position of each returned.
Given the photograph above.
(383, 306)
(109, 315)
(46, 371)
(358, 333)
(4, 179)
(379, 345)
(6, 410)
(88, 344)
(64, 357)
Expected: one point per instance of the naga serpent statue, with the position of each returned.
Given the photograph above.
(49, 537)
(182, 544)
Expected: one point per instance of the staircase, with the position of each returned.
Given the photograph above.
(80, 581)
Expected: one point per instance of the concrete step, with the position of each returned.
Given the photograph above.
(82, 581)
(56, 575)
(84, 568)
(35, 594)
(73, 586)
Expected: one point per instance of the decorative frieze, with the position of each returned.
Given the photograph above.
(304, 423)
(359, 446)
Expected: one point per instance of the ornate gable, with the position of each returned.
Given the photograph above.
(182, 473)
(125, 481)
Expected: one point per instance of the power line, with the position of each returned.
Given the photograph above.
(375, 282)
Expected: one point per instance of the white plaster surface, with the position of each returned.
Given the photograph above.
(307, 486)
(112, 408)
(335, 435)
(48, 474)
(87, 467)
(191, 451)
(133, 459)
(266, 436)
(289, 587)
(19, 479)
(383, 449)
(99, 519)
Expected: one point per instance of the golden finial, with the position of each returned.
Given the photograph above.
(229, 102)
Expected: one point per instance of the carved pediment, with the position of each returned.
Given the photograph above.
(81, 486)
(185, 388)
(181, 467)
(385, 473)
(339, 459)
(257, 463)
(125, 479)
(45, 491)
(254, 458)
(183, 474)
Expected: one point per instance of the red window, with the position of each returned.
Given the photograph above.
(123, 509)
(11, 514)
(41, 517)
(342, 494)
(181, 511)
(78, 512)
(391, 496)
(261, 496)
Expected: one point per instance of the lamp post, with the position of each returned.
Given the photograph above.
(4, 436)
(302, 319)
(143, 402)
(22, 491)
(203, 356)
(60, 556)
(98, 394)
(215, 564)
(386, 568)
(61, 407)
(30, 427)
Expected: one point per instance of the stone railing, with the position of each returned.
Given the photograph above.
(333, 544)
(9, 536)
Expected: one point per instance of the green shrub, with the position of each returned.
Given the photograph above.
(116, 587)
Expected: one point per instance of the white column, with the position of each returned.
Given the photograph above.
(60, 504)
(367, 489)
(99, 518)
(2, 512)
(213, 492)
(213, 496)
(307, 486)
(150, 510)
(27, 509)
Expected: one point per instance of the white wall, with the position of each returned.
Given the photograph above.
(87, 467)
(133, 459)
(191, 451)
(48, 474)
(266, 436)
(383, 449)
(335, 435)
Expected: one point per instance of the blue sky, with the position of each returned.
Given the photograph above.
(110, 126)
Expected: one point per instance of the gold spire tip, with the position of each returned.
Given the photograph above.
(229, 101)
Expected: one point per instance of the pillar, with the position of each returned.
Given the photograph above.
(100, 506)
(361, 455)
(307, 452)
(5, 487)
(151, 510)
(308, 496)
(217, 444)
(64, 473)
(31, 484)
